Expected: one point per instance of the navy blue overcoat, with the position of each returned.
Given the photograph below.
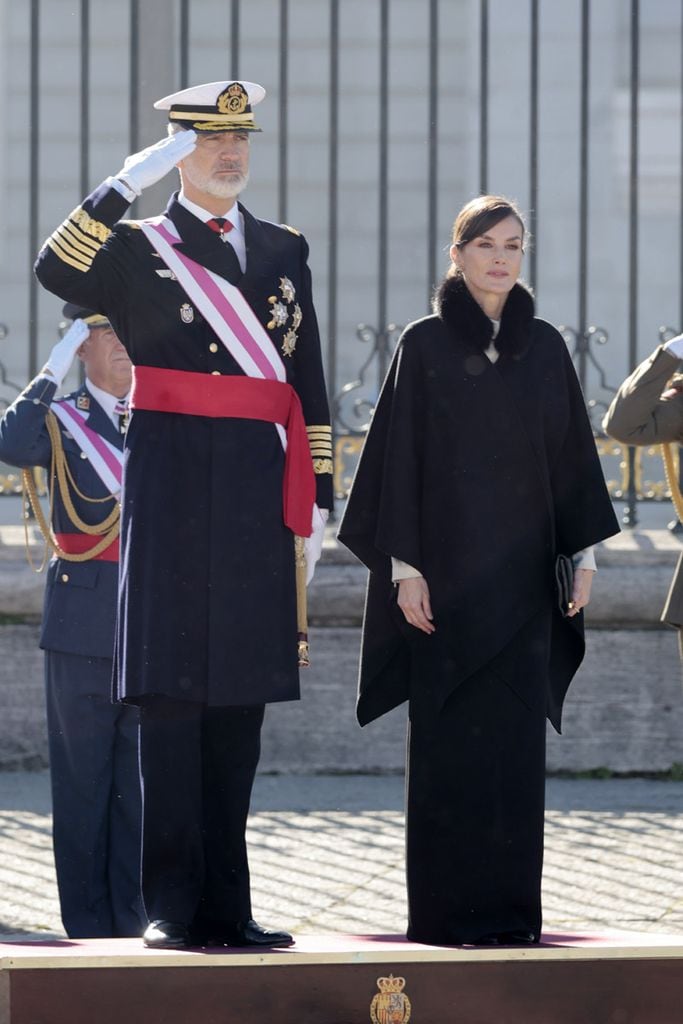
(207, 605)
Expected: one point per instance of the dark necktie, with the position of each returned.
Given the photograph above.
(221, 225)
(121, 410)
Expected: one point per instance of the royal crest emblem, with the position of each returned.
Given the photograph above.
(186, 313)
(233, 100)
(390, 1005)
(83, 402)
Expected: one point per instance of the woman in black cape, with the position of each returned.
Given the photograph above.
(478, 470)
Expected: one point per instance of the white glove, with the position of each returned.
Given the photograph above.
(62, 355)
(674, 346)
(313, 545)
(152, 164)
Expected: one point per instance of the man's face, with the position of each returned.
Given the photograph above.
(106, 361)
(219, 166)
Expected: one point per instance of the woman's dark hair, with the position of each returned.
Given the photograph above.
(479, 216)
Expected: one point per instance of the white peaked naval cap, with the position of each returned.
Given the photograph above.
(214, 106)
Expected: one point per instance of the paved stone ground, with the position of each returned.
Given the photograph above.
(327, 855)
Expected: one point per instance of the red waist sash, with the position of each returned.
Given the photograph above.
(249, 398)
(77, 543)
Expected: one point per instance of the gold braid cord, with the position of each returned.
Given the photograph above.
(671, 479)
(301, 603)
(60, 476)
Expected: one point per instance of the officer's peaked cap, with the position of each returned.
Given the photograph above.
(214, 106)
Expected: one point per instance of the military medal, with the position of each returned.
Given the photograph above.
(287, 289)
(186, 313)
(278, 314)
(289, 342)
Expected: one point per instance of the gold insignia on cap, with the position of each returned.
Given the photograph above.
(83, 402)
(186, 313)
(233, 100)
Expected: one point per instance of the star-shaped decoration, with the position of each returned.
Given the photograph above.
(279, 313)
(289, 342)
(287, 289)
(297, 317)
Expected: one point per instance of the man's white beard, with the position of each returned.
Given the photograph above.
(221, 188)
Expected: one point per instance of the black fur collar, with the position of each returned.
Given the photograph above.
(465, 318)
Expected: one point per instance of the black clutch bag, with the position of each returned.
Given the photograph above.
(564, 579)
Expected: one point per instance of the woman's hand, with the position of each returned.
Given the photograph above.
(413, 600)
(581, 594)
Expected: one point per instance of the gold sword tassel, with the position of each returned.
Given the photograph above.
(301, 603)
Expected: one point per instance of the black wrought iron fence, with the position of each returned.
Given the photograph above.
(357, 63)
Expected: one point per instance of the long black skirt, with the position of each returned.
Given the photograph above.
(476, 798)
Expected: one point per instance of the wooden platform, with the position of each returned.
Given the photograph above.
(618, 978)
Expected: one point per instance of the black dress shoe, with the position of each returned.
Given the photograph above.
(166, 935)
(249, 933)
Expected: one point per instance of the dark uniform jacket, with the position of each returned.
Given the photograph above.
(477, 474)
(640, 415)
(207, 606)
(80, 597)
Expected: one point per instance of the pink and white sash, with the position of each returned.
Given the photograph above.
(222, 305)
(105, 458)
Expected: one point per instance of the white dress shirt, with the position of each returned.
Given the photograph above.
(235, 237)
(106, 400)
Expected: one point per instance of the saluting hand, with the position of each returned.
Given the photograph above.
(413, 600)
(153, 163)
(62, 355)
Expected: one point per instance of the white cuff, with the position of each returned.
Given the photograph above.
(402, 571)
(123, 189)
(585, 559)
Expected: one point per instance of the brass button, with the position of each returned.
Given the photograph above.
(215, 373)
(65, 577)
(213, 347)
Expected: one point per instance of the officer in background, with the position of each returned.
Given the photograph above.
(215, 308)
(93, 743)
(648, 410)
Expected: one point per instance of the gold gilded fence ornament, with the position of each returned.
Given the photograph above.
(390, 1005)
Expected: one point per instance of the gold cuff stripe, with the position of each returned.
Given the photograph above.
(324, 428)
(77, 231)
(88, 224)
(76, 251)
(77, 240)
(210, 118)
(321, 450)
(322, 465)
(65, 258)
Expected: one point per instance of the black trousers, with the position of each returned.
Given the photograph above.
(198, 766)
(476, 797)
(96, 806)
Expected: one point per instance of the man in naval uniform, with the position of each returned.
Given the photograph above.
(228, 458)
(93, 744)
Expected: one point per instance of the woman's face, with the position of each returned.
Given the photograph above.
(491, 263)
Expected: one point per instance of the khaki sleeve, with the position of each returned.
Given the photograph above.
(638, 414)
